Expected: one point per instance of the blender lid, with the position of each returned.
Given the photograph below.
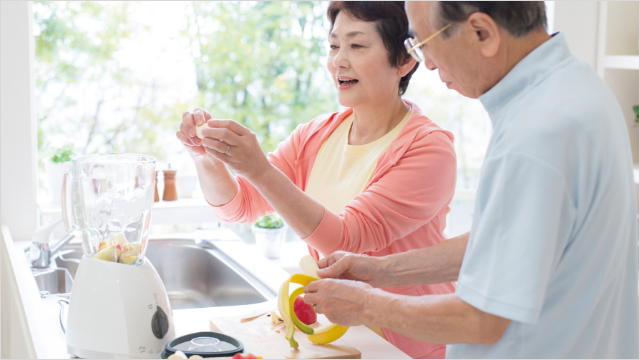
(205, 344)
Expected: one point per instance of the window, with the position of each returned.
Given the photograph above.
(117, 76)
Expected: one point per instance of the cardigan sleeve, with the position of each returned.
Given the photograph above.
(248, 204)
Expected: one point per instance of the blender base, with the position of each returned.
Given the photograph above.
(118, 311)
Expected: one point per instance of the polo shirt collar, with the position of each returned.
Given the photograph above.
(535, 67)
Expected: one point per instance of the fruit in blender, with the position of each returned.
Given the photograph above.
(111, 253)
(118, 239)
(130, 252)
(304, 312)
(103, 245)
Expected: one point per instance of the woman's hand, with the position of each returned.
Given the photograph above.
(217, 183)
(237, 147)
(187, 132)
(349, 266)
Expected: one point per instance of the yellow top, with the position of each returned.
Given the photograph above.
(341, 171)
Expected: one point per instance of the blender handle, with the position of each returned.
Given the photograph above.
(67, 208)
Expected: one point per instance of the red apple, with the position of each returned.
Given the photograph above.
(304, 312)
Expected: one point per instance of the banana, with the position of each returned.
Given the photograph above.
(283, 295)
(323, 335)
(327, 334)
(199, 129)
(309, 266)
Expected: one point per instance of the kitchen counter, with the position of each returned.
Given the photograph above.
(51, 341)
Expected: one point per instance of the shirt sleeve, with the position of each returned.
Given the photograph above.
(522, 221)
(409, 195)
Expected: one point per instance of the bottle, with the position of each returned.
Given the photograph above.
(156, 197)
(170, 191)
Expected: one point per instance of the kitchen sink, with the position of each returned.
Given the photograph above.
(53, 281)
(195, 276)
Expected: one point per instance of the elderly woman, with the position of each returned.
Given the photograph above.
(375, 178)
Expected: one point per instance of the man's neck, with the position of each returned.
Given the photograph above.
(516, 49)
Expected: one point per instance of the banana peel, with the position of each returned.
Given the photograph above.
(323, 335)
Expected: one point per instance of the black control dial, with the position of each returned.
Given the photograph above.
(159, 323)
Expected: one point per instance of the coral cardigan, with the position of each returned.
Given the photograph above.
(403, 207)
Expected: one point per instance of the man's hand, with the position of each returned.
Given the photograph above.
(341, 301)
(349, 266)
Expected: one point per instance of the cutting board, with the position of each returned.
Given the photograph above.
(260, 337)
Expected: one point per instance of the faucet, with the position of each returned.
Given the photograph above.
(41, 250)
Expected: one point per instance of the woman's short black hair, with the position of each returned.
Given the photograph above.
(391, 23)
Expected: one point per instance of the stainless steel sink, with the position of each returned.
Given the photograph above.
(195, 276)
(53, 281)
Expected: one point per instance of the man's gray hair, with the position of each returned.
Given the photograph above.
(517, 17)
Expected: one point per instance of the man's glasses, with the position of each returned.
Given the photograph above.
(412, 45)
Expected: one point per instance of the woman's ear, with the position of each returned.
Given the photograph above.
(406, 67)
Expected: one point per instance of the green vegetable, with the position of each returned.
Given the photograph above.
(272, 221)
(635, 110)
(62, 154)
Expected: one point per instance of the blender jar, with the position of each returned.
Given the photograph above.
(108, 199)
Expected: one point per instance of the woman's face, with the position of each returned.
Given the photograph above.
(359, 64)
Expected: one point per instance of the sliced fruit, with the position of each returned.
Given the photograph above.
(309, 266)
(246, 356)
(304, 311)
(128, 260)
(118, 239)
(103, 245)
(111, 253)
(199, 129)
(294, 317)
(322, 335)
(130, 249)
(276, 318)
(177, 355)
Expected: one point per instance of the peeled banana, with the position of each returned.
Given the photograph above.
(323, 335)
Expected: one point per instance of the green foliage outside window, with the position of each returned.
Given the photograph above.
(259, 63)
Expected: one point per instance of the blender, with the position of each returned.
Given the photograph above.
(118, 307)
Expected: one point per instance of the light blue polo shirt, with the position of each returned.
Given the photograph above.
(554, 240)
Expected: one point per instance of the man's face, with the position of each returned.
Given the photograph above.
(456, 58)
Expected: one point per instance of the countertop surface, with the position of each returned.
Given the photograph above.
(271, 273)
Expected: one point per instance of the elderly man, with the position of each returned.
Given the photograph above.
(550, 267)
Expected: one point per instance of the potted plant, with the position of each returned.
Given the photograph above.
(55, 166)
(635, 110)
(269, 232)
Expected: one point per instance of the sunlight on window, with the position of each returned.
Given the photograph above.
(117, 76)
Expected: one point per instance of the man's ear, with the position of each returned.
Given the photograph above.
(408, 65)
(486, 33)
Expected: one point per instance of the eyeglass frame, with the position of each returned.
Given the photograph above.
(412, 49)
